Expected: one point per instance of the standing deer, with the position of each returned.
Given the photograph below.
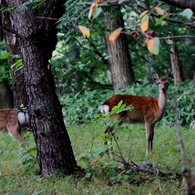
(148, 110)
(13, 120)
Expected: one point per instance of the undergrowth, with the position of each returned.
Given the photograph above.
(83, 106)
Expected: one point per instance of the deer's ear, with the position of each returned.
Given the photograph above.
(169, 75)
(155, 76)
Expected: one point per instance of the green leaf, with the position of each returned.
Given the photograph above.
(4, 55)
(101, 150)
(18, 63)
(159, 20)
(120, 1)
(97, 12)
(186, 13)
(39, 192)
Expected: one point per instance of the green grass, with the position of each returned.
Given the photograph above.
(106, 176)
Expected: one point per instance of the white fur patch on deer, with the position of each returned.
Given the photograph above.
(13, 120)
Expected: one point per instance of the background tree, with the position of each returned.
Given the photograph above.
(120, 65)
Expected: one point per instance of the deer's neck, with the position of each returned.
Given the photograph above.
(162, 102)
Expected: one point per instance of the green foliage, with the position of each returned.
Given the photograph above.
(84, 106)
(185, 99)
(4, 67)
(27, 160)
(94, 74)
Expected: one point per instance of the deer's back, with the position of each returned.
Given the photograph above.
(143, 107)
(8, 117)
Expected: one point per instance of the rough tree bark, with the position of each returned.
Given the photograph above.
(35, 32)
(120, 65)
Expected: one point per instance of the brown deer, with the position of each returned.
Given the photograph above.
(13, 120)
(148, 110)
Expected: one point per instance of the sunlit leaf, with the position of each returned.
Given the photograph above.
(160, 11)
(84, 30)
(144, 25)
(20, 170)
(115, 34)
(91, 9)
(93, 161)
(186, 13)
(153, 45)
(143, 14)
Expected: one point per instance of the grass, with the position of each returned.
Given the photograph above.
(105, 175)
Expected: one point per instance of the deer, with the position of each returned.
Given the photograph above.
(148, 110)
(14, 120)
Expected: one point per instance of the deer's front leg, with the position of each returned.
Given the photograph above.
(149, 136)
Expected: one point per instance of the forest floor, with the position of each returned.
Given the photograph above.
(105, 176)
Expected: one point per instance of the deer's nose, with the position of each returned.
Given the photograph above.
(163, 89)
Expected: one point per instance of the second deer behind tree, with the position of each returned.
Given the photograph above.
(148, 110)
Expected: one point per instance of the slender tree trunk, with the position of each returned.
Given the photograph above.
(75, 56)
(120, 65)
(35, 34)
(175, 64)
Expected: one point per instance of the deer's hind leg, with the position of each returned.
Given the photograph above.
(15, 131)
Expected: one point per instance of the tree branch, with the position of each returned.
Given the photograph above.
(181, 3)
(165, 19)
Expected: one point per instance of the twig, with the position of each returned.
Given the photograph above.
(186, 170)
(176, 37)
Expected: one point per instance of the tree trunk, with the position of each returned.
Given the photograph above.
(6, 96)
(35, 31)
(17, 73)
(175, 64)
(120, 65)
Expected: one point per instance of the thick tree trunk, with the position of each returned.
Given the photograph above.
(36, 37)
(120, 65)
